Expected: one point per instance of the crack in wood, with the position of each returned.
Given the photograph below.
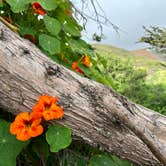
(2, 36)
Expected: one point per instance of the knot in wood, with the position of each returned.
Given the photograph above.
(52, 69)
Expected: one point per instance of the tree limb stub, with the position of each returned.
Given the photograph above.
(97, 115)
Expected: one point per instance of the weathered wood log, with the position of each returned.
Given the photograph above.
(97, 115)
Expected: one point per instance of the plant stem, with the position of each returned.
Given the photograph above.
(43, 160)
(12, 27)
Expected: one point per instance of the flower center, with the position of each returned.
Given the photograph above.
(47, 106)
(28, 123)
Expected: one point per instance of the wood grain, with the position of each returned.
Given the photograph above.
(97, 115)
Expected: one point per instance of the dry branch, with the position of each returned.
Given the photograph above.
(97, 115)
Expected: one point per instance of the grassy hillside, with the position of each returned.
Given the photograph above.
(156, 69)
(139, 75)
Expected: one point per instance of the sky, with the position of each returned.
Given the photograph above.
(129, 16)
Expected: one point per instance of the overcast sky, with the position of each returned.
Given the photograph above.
(130, 16)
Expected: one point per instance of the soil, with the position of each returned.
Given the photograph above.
(145, 53)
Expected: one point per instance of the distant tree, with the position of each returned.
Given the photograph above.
(156, 37)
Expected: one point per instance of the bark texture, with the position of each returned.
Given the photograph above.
(97, 115)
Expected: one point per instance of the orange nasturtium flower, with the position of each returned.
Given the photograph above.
(38, 8)
(47, 108)
(86, 61)
(75, 67)
(26, 126)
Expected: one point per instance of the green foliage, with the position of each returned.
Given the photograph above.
(80, 46)
(69, 157)
(99, 160)
(106, 160)
(49, 44)
(58, 137)
(10, 147)
(119, 162)
(71, 27)
(155, 98)
(59, 35)
(142, 81)
(19, 5)
(48, 5)
(155, 36)
(1, 3)
(40, 147)
(83, 155)
(53, 25)
(38, 151)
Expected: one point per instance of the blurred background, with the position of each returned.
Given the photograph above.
(129, 16)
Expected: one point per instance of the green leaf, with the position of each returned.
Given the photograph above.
(1, 3)
(10, 147)
(106, 160)
(18, 5)
(48, 4)
(119, 162)
(27, 30)
(80, 46)
(58, 137)
(71, 26)
(101, 160)
(72, 158)
(53, 25)
(49, 44)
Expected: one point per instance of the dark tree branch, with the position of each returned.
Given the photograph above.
(97, 15)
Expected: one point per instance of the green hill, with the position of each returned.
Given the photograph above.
(139, 75)
(156, 69)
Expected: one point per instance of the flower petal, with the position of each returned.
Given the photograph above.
(15, 128)
(45, 98)
(23, 135)
(38, 8)
(74, 65)
(48, 115)
(36, 122)
(23, 116)
(86, 61)
(37, 110)
(54, 100)
(55, 112)
(36, 131)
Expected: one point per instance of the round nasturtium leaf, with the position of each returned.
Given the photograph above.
(71, 27)
(10, 147)
(18, 5)
(80, 46)
(99, 160)
(49, 44)
(48, 4)
(58, 137)
(53, 25)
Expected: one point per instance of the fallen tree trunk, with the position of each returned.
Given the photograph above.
(97, 115)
